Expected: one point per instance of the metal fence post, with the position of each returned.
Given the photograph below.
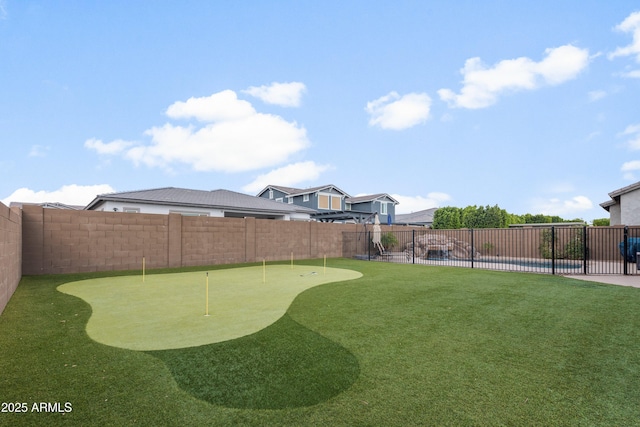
(413, 246)
(472, 247)
(553, 250)
(626, 249)
(585, 253)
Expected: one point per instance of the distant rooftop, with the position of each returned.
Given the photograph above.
(48, 205)
(423, 217)
(200, 198)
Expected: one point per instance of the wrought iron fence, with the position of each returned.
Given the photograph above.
(552, 250)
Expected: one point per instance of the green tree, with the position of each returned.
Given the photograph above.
(448, 217)
(484, 217)
(601, 222)
(488, 217)
(514, 219)
(536, 219)
(389, 240)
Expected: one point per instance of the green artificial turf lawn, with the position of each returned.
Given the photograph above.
(167, 311)
(402, 345)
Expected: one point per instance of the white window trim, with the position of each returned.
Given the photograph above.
(305, 197)
(331, 198)
(334, 197)
(328, 196)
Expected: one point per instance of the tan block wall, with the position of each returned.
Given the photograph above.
(65, 241)
(10, 253)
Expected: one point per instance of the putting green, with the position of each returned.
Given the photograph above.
(167, 311)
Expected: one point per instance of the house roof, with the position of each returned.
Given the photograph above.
(615, 195)
(49, 205)
(184, 197)
(419, 217)
(371, 197)
(624, 190)
(301, 191)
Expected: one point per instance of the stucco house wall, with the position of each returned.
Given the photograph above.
(630, 208)
(624, 205)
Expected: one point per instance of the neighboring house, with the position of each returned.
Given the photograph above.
(624, 206)
(215, 203)
(420, 218)
(333, 204)
(47, 205)
(323, 198)
(382, 203)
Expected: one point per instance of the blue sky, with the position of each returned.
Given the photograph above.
(533, 106)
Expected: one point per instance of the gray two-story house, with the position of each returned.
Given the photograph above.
(382, 203)
(323, 198)
(333, 204)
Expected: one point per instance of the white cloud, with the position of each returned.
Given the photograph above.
(631, 129)
(73, 194)
(234, 137)
(288, 176)
(596, 95)
(38, 151)
(409, 204)
(3, 9)
(631, 24)
(635, 74)
(482, 86)
(221, 106)
(282, 94)
(396, 112)
(631, 166)
(629, 169)
(113, 147)
(567, 208)
(633, 132)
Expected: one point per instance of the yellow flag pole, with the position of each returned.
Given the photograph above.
(143, 268)
(206, 305)
(325, 264)
(264, 271)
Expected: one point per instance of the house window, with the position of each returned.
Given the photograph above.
(323, 201)
(347, 206)
(383, 208)
(131, 210)
(279, 199)
(305, 198)
(336, 203)
(271, 194)
(290, 200)
(329, 201)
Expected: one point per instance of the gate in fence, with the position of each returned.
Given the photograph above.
(552, 250)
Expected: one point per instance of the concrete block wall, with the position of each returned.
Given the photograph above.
(10, 253)
(211, 240)
(66, 241)
(277, 240)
